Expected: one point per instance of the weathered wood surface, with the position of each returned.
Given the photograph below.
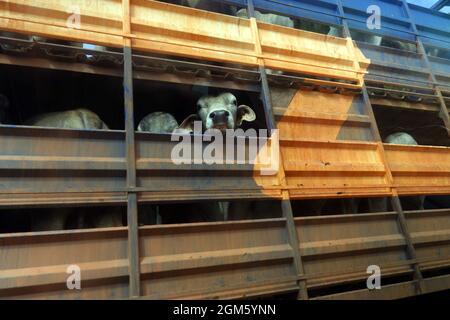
(229, 259)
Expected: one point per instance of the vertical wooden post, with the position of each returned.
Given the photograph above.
(132, 213)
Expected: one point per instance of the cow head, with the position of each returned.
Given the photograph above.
(222, 112)
(4, 106)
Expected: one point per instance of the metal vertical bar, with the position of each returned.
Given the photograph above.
(285, 203)
(367, 104)
(133, 246)
(265, 97)
(265, 91)
(443, 113)
(394, 199)
(132, 214)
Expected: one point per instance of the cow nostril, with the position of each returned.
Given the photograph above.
(212, 115)
(227, 114)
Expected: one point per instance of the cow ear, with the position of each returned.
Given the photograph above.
(187, 125)
(245, 113)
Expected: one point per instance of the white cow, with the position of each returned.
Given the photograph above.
(82, 119)
(162, 122)
(401, 138)
(56, 219)
(215, 112)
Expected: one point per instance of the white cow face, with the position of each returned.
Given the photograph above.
(222, 112)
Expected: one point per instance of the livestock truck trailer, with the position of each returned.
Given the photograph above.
(224, 149)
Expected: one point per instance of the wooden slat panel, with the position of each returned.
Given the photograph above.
(320, 155)
(176, 30)
(176, 261)
(100, 20)
(430, 233)
(42, 165)
(157, 172)
(419, 169)
(223, 259)
(313, 115)
(34, 265)
(213, 257)
(170, 29)
(337, 166)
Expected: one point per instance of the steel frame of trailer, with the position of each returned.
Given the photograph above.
(133, 190)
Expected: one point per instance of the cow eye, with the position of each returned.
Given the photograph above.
(234, 102)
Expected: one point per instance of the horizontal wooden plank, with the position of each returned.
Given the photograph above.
(298, 116)
(323, 192)
(38, 199)
(317, 248)
(296, 166)
(419, 169)
(171, 263)
(241, 253)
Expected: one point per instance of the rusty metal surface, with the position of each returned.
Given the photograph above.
(34, 265)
